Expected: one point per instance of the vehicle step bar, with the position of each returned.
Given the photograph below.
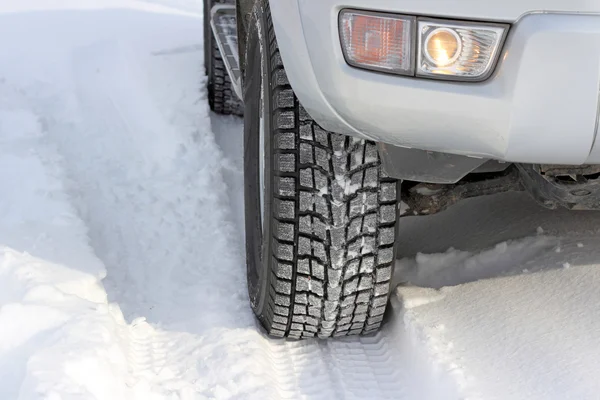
(224, 26)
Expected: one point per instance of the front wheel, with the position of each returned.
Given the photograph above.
(320, 212)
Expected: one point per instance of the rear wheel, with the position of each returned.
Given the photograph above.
(221, 97)
(320, 212)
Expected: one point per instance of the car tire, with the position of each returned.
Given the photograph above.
(221, 96)
(320, 240)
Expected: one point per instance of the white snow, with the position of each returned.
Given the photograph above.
(521, 320)
(526, 337)
(122, 272)
(57, 329)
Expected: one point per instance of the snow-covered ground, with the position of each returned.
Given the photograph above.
(122, 270)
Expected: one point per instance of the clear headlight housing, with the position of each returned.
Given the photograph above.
(458, 51)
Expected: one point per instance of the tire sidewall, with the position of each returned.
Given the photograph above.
(258, 242)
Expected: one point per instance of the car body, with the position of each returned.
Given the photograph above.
(541, 104)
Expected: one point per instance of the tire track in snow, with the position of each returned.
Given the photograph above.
(151, 195)
(58, 335)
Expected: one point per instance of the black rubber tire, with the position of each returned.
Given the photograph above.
(221, 97)
(325, 265)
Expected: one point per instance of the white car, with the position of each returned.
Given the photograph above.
(344, 99)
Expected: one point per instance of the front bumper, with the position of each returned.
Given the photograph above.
(540, 106)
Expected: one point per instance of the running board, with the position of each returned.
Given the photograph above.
(224, 26)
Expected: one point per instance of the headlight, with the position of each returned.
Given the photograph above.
(458, 51)
(445, 49)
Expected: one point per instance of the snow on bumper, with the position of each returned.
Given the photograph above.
(540, 106)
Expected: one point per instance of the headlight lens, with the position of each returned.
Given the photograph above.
(442, 47)
(381, 42)
(458, 51)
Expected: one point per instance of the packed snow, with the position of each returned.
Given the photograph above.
(122, 272)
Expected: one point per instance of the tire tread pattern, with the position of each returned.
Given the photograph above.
(334, 230)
